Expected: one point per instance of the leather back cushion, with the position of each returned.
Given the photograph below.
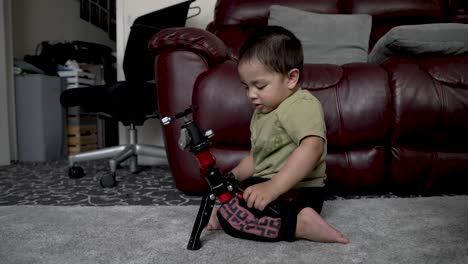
(248, 12)
(458, 11)
(239, 17)
(224, 106)
(437, 141)
(355, 99)
(437, 87)
(388, 14)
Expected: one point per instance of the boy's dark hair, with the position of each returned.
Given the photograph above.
(275, 47)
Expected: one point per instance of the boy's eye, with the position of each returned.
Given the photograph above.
(260, 86)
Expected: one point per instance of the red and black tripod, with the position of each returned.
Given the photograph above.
(223, 188)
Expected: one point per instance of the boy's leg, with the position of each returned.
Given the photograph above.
(302, 222)
(214, 224)
(237, 221)
(311, 226)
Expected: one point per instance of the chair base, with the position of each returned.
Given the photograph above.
(119, 154)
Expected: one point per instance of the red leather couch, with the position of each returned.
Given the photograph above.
(400, 127)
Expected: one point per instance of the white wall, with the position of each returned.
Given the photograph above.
(35, 21)
(127, 12)
(5, 81)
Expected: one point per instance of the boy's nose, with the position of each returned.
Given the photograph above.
(251, 94)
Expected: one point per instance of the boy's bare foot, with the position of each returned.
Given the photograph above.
(311, 226)
(213, 224)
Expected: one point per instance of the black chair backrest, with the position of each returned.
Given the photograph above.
(138, 65)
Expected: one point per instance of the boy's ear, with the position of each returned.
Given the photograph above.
(293, 78)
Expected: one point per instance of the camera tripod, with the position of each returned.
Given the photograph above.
(222, 188)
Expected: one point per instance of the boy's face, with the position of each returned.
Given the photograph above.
(266, 89)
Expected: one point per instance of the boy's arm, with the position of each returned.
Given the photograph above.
(245, 168)
(303, 160)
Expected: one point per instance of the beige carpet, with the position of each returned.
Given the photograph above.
(388, 230)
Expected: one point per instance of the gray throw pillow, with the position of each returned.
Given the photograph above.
(421, 40)
(326, 38)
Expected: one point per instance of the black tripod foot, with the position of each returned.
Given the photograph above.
(203, 216)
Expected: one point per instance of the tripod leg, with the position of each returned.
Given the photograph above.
(203, 216)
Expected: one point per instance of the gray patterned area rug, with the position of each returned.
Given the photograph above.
(145, 219)
(47, 183)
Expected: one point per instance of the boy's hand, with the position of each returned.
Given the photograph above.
(260, 195)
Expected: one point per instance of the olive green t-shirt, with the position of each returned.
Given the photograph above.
(275, 135)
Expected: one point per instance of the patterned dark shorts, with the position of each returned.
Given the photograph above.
(242, 222)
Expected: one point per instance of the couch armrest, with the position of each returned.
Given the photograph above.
(182, 57)
(199, 41)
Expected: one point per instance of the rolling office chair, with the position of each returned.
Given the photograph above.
(131, 102)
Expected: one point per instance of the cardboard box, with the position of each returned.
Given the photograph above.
(82, 138)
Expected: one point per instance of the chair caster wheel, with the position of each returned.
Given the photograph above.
(108, 181)
(75, 172)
